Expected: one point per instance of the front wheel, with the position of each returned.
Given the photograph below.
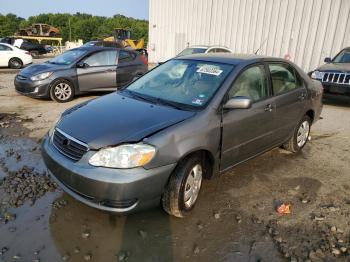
(300, 136)
(183, 188)
(61, 91)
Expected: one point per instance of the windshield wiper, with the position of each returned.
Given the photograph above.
(158, 101)
(172, 104)
(138, 96)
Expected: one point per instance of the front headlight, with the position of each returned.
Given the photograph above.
(317, 75)
(41, 76)
(123, 156)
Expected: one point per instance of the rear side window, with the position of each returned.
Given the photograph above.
(252, 83)
(104, 58)
(125, 56)
(284, 78)
(218, 50)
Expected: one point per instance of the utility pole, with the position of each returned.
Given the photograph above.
(70, 31)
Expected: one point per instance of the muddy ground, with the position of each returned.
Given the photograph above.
(234, 220)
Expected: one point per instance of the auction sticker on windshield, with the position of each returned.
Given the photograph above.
(210, 70)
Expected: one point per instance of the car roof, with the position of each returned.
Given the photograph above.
(227, 58)
(99, 48)
(208, 46)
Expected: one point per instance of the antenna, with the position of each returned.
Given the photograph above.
(263, 43)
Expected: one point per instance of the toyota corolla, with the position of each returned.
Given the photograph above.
(191, 118)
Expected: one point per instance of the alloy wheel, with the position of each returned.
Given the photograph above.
(303, 133)
(193, 185)
(63, 91)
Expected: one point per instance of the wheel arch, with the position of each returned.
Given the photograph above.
(71, 81)
(15, 57)
(311, 113)
(208, 160)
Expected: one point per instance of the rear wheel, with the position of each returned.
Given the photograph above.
(300, 136)
(183, 188)
(61, 91)
(15, 63)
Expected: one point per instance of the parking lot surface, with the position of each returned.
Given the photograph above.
(234, 220)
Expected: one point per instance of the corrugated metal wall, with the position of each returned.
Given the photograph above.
(307, 30)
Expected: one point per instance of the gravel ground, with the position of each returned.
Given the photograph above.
(234, 220)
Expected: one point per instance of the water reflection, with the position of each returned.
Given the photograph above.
(145, 236)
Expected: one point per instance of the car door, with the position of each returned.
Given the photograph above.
(247, 132)
(98, 71)
(5, 55)
(290, 96)
(126, 67)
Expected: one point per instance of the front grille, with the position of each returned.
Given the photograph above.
(118, 203)
(336, 78)
(69, 146)
(25, 90)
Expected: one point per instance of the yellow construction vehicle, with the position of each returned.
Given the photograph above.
(123, 37)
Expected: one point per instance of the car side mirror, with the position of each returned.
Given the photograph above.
(238, 103)
(328, 60)
(82, 65)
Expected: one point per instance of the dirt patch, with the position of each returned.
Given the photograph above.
(25, 185)
(234, 220)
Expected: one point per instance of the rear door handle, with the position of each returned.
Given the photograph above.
(268, 108)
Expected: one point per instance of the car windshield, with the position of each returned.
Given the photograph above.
(68, 57)
(343, 57)
(185, 84)
(192, 50)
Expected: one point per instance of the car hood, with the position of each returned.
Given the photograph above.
(41, 68)
(343, 67)
(114, 119)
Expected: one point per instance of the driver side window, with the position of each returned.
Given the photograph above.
(252, 83)
(104, 58)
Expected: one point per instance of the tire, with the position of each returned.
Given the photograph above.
(52, 34)
(174, 201)
(34, 54)
(61, 91)
(15, 63)
(300, 136)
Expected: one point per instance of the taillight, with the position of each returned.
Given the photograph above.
(144, 59)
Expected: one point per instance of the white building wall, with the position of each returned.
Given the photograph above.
(306, 30)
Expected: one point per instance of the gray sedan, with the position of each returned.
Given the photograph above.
(81, 70)
(191, 118)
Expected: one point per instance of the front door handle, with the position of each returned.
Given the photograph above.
(268, 108)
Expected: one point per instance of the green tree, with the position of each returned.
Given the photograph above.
(83, 26)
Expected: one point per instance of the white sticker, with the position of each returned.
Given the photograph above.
(210, 70)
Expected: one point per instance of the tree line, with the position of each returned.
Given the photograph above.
(77, 26)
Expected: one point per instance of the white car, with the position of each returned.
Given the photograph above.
(204, 50)
(13, 57)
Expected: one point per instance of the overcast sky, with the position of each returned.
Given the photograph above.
(26, 8)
